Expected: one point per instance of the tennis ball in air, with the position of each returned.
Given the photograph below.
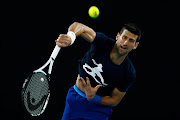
(93, 12)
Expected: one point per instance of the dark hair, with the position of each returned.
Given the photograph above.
(133, 28)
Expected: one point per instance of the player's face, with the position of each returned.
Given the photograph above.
(126, 42)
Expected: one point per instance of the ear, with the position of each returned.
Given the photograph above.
(136, 45)
(117, 36)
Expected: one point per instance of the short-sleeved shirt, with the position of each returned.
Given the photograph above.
(97, 65)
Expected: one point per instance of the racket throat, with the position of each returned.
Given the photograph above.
(50, 62)
(50, 66)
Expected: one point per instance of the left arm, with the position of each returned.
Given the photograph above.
(105, 100)
(114, 99)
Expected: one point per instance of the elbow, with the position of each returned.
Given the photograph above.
(115, 101)
(110, 102)
(114, 104)
(73, 26)
(75, 23)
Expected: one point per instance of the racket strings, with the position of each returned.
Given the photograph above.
(36, 93)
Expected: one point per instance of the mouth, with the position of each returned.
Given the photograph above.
(123, 47)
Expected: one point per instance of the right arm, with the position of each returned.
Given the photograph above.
(80, 30)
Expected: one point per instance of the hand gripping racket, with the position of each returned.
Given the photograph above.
(35, 90)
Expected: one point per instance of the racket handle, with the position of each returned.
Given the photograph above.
(55, 52)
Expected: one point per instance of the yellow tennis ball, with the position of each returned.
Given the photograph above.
(93, 12)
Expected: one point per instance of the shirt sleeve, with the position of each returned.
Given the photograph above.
(101, 41)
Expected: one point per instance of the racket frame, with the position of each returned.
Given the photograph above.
(50, 63)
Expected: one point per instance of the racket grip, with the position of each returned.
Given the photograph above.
(55, 52)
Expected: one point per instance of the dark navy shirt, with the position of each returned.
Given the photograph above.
(97, 65)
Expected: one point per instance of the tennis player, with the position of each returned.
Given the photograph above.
(105, 72)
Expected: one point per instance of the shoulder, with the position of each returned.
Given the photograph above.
(129, 76)
(100, 36)
(131, 71)
(101, 40)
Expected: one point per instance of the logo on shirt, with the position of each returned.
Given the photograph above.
(95, 72)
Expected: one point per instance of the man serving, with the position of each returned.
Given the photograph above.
(105, 72)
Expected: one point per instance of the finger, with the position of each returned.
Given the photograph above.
(61, 43)
(97, 87)
(64, 36)
(62, 40)
(83, 82)
(58, 43)
(78, 77)
(88, 81)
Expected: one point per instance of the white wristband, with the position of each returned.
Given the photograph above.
(72, 35)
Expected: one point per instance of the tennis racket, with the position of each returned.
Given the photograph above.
(35, 89)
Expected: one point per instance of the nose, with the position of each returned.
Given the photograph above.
(125, 42)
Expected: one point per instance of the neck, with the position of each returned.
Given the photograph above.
(116, 58)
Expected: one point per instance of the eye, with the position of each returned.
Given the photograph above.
(131, 40)
(124, 37)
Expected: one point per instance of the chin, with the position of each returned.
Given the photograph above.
(122, 53)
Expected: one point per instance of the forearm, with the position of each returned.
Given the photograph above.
(90, 93)
(114, 99)
(109, 101)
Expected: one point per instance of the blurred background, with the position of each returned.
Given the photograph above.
(30, 29)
